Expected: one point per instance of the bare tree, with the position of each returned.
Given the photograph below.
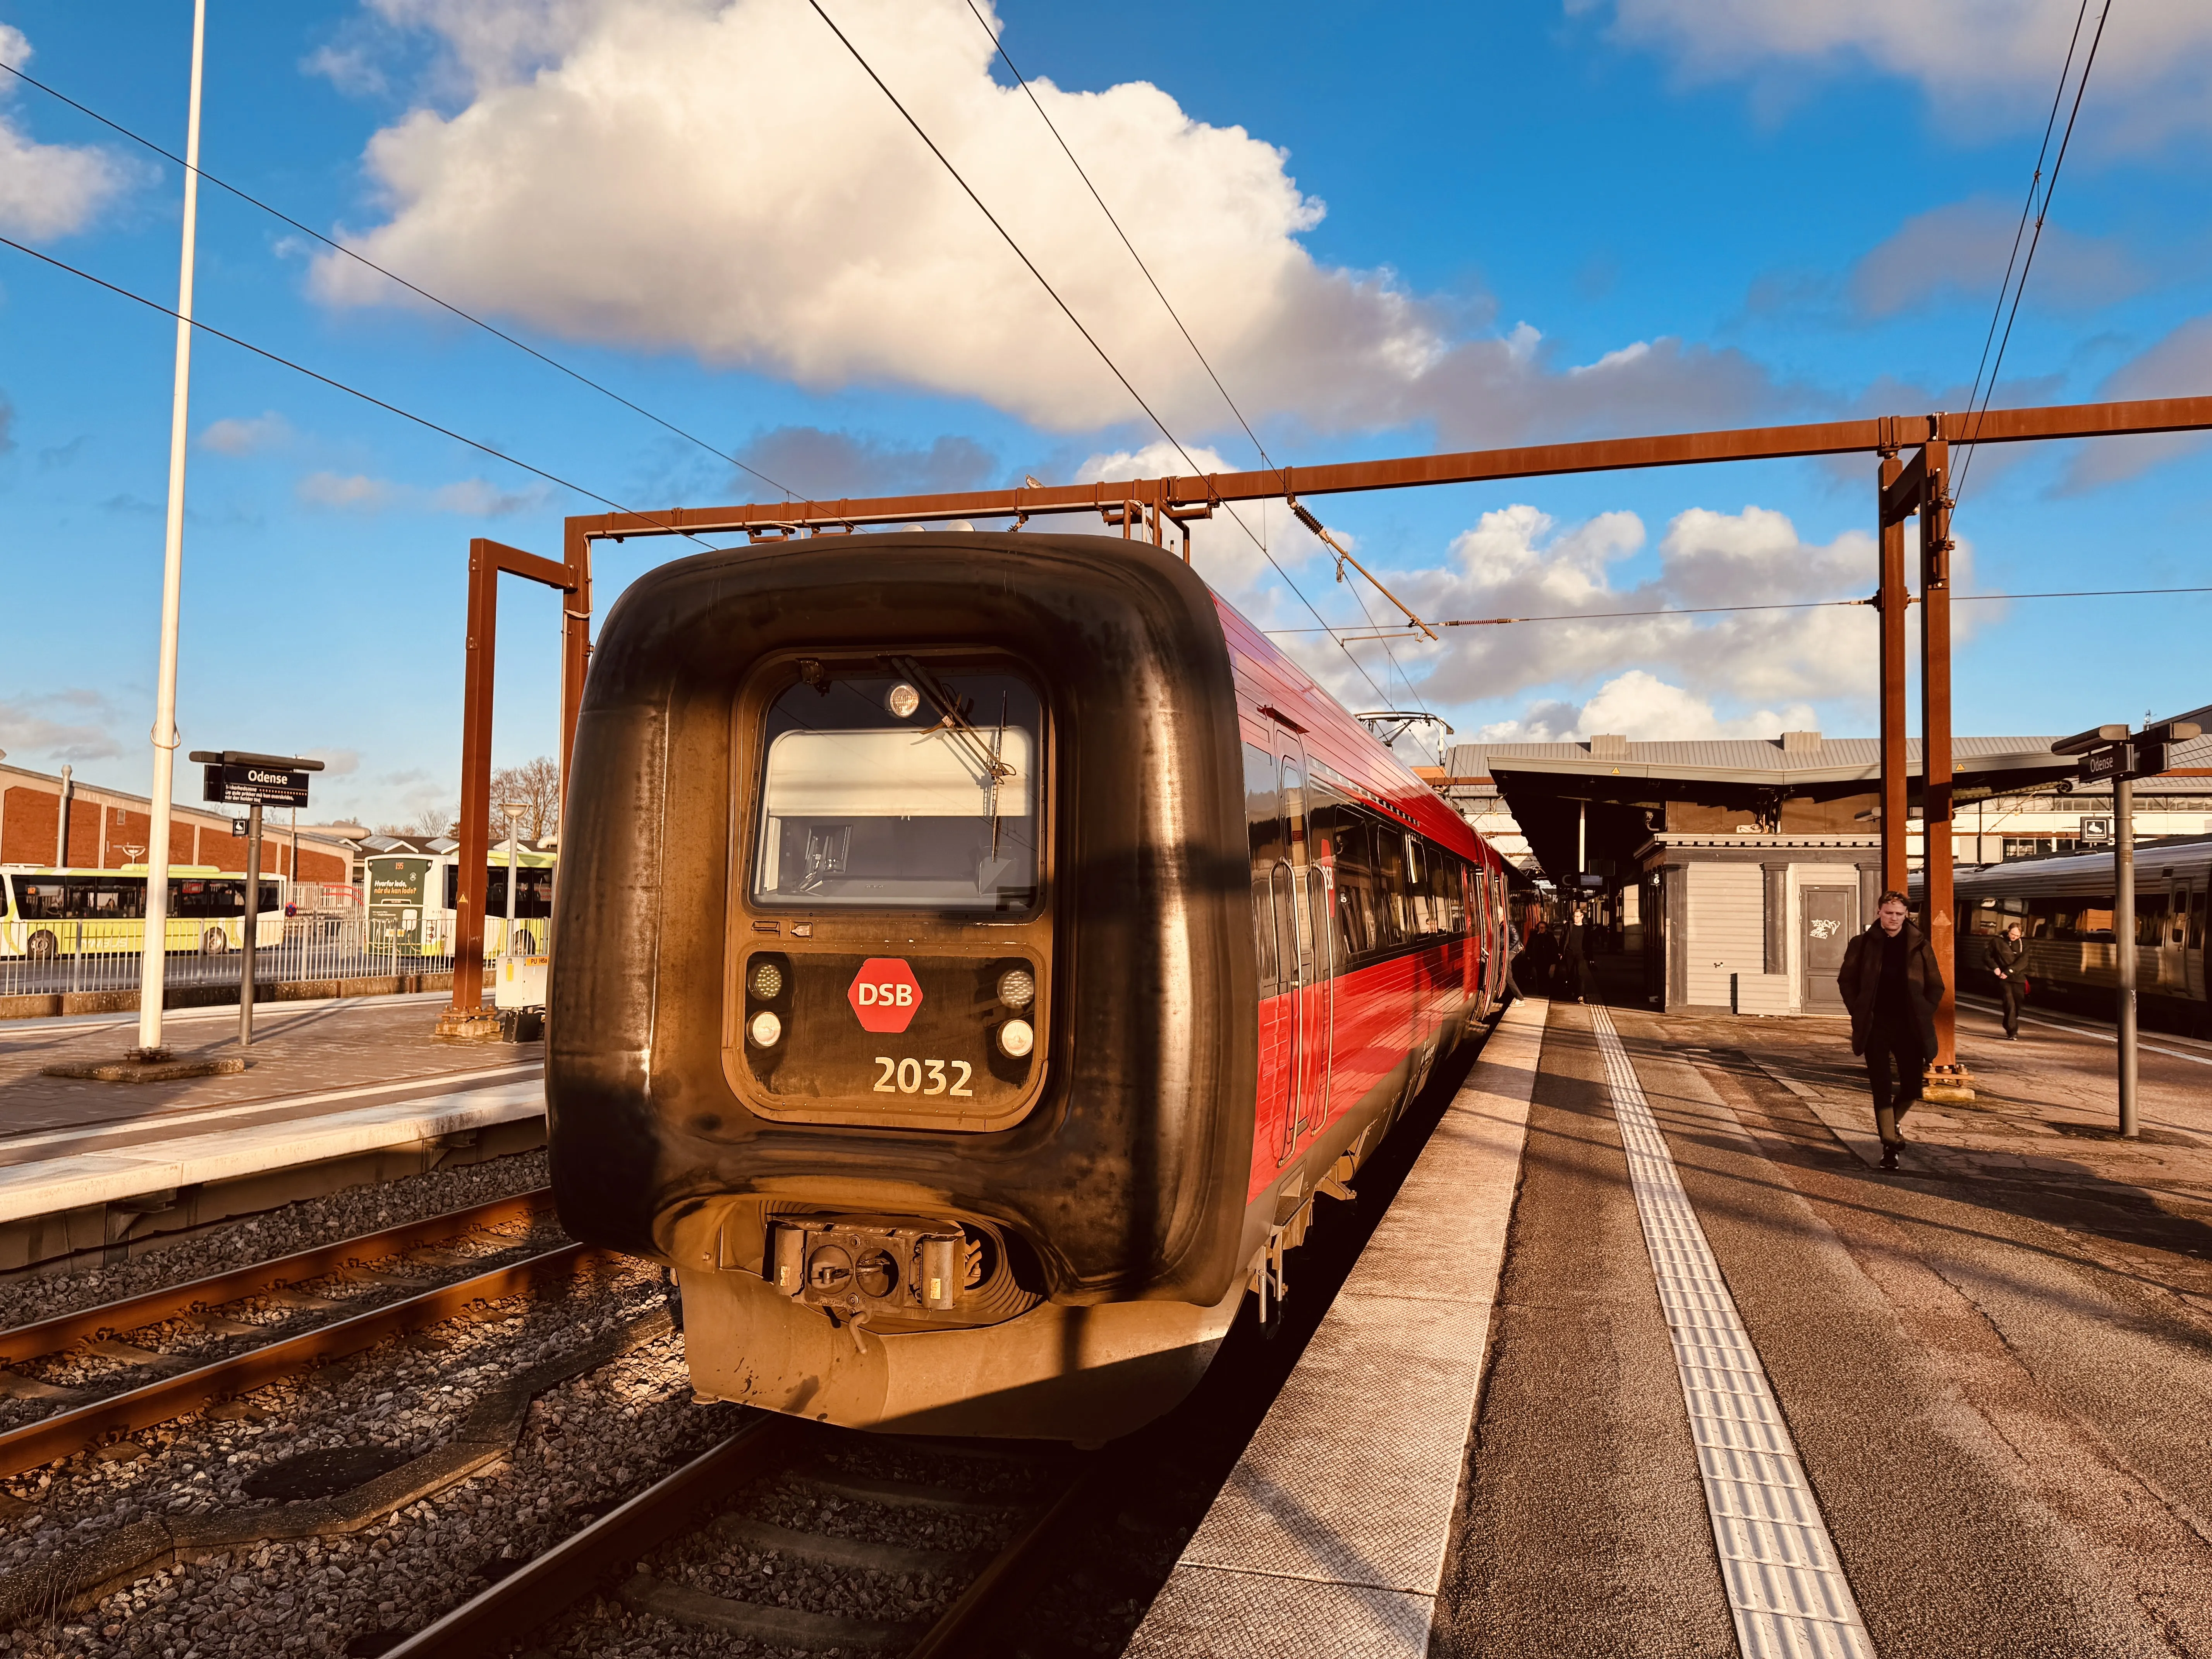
(537, 785)
(432, 821)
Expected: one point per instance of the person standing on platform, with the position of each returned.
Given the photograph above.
(2007, 960)
(1892, 986)
(1574, 960)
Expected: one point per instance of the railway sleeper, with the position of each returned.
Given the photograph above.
(78, 1576)
(913, 1494)
(856, 1553)
(786, 1626)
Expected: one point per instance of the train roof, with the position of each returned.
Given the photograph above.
(2085, 874)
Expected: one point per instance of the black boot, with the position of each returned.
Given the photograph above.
(1889, 1157)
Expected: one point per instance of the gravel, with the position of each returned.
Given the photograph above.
(588, 1444)
(28, 1296)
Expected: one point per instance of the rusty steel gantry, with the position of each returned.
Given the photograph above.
(1919, 486)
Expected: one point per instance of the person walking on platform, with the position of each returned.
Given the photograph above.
(1892, 986)
(1574, 960)
(2007, 960)
(1543, 959)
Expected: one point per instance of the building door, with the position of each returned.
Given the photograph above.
(1831, 918)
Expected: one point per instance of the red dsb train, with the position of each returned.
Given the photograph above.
(978, 953)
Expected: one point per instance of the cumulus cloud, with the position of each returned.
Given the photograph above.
(49, 190)
(1981, 60)
(239, 435)
(1517, 562)
(596, 181)
(1960, 250)
(73, 724)
(825, 466)
(337, 763)
(2177, 366)
(473, 498)
(1644, 708)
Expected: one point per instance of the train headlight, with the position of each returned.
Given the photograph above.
(767, 1030)
(1016, 1039)
(902, 701)
(1018, 987)
(767, 982)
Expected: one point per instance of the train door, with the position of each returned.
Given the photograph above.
(2172, 941)
(1306, 882)
(1274, 948)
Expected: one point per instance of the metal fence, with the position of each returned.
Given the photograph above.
(81, 956)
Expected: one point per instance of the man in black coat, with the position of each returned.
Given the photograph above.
(2007, 960)
(1574, 960)
(1893, 986)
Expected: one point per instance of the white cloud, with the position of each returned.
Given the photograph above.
(1979, 60)
(1771, 664)
(1960, 250)
(241, 435)
(599, 181)
(49, 190)
(73, 725)
(356, 492)
(1644, 708)
(2180, 364)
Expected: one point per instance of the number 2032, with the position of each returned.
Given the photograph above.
(904, 1077)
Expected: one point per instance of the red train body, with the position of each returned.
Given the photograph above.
(978, 953)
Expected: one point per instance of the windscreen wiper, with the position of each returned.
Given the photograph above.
(954, 721)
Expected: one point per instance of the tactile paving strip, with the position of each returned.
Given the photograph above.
(1785, 1585)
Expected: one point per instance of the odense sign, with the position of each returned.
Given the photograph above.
(240, 783)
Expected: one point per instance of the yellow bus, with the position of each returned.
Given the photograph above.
(46, 912)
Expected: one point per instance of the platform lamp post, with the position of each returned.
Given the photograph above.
(154, 962)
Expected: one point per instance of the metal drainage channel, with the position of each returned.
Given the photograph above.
(1786, 1587)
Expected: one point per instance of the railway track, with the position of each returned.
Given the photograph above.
(148, 1384)
(684, 1552)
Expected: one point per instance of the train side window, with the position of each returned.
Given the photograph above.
(1294, 812)
(1355, 879)
(1390, 924)
(1455, 877)
(1263, 932)
(2150, 918)
(2197, 919)
(1263, 808)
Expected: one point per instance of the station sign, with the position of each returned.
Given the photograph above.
(243, 783)
(2100, 765)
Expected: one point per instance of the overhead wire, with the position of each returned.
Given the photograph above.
(355, 392)
(2027, 206)
(2081, 86)
(392, 276)
(1068, 311)
(998, 45)
(1798, 605)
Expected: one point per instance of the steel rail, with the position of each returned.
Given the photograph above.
(581, 1563)
(135, 1313)
(67, 1432)
(576, 1565)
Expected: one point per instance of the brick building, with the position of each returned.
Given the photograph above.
(108, 830)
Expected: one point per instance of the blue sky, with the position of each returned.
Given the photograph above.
(1392, 230)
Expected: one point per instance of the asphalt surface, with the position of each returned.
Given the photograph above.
(2000, 1396)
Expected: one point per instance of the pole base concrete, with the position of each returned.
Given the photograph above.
(1950, 1086)
(468, 1026)
(135, 1070)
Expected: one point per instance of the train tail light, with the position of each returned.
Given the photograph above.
(1016, 1038)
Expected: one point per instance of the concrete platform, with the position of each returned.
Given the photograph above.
(335, 1094)
(1330, 1534)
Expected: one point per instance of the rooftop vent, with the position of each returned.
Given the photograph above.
(1800, 743)
(1608, 745)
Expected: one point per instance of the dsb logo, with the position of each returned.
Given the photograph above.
(885, 995)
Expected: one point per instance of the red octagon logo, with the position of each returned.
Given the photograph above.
(885, 995)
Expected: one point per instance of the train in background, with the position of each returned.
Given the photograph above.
(412, 896)
(2064, 905)
(979, 955)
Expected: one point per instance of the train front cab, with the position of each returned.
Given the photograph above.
(902, 1000)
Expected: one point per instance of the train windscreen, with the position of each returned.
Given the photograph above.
(915, 790)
